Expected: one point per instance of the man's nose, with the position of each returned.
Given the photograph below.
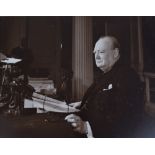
(97, 56)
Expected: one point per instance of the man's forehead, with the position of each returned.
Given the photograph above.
(103, 43)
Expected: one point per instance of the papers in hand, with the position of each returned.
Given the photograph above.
(11, 60)
(48, 104)
(75, 104)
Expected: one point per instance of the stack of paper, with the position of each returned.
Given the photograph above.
(48, 104)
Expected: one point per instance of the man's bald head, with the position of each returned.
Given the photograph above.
(112, 41)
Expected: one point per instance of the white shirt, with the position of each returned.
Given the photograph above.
(89, 130)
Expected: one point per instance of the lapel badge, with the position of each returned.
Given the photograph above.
(109, 87)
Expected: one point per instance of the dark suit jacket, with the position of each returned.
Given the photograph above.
(113, 104)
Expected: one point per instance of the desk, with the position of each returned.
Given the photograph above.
(36, 126)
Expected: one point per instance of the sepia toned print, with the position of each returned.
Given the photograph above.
(77, 77)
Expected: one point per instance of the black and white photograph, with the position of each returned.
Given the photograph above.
(77, 77)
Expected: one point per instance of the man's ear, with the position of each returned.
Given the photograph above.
(116, 52)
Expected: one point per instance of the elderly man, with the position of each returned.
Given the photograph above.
(113, 104)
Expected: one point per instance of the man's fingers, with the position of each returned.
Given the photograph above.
(76, 122)
(72, 118)
(75, 104)
(69, 116)
(74, 125)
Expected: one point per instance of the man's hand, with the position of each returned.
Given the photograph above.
(77, 123)
(75, 104)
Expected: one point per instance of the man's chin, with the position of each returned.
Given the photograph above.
(99, 65)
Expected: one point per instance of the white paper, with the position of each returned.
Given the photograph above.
(11, 60)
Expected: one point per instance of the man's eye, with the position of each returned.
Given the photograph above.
(102, 52)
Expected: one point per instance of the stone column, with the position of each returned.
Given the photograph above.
(140, 45)
(82, 56)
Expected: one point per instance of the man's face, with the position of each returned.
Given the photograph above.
(104, 54)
